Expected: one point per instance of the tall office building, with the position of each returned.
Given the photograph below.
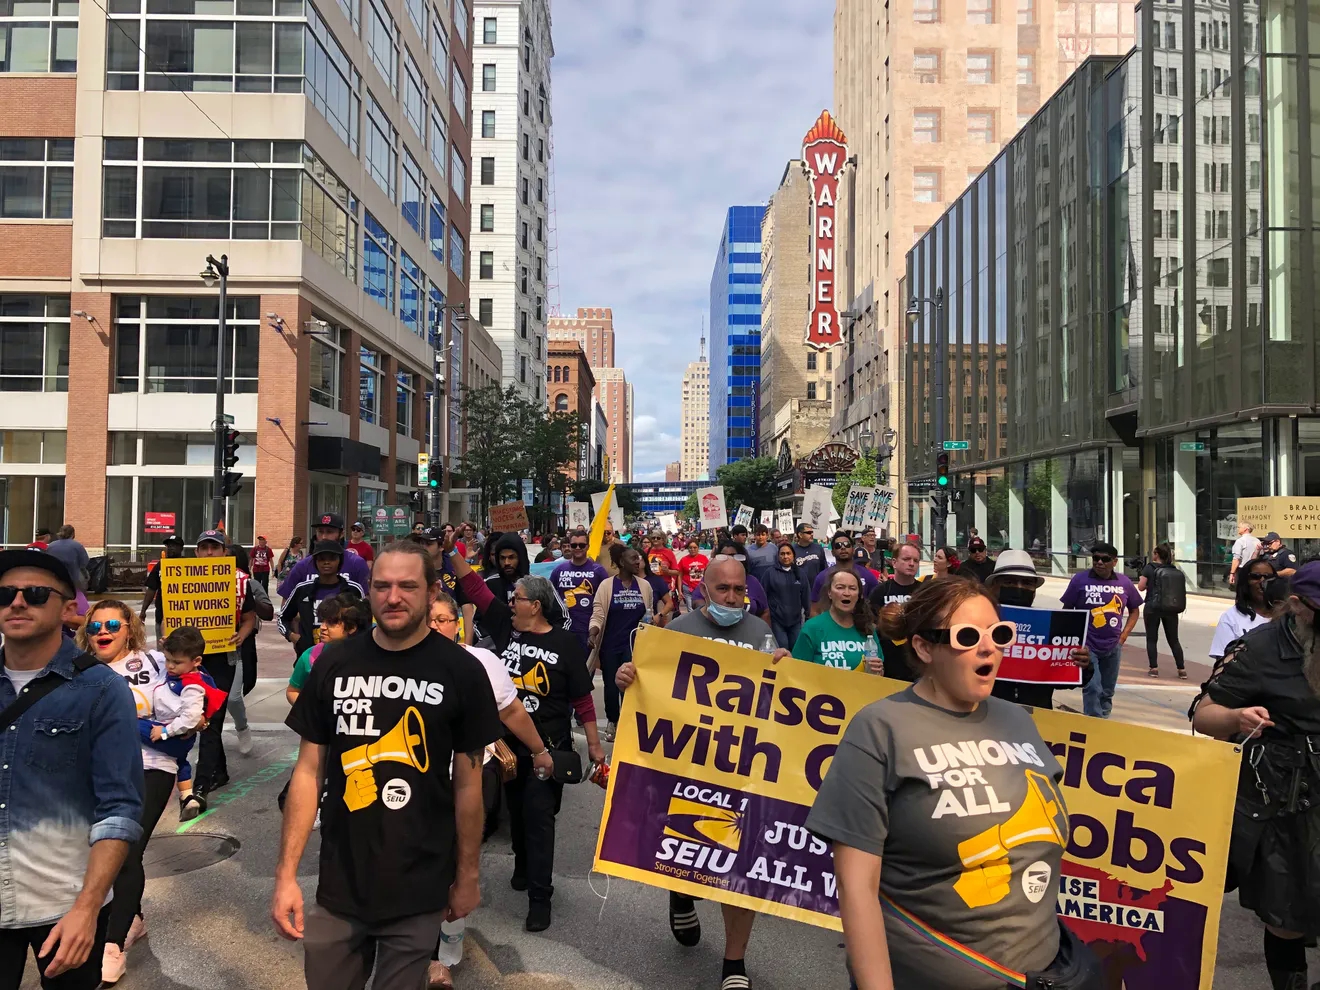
(321, 147)
(928, 93)
(735, 338)
(696, 419)
(511, 151)
(593, 330)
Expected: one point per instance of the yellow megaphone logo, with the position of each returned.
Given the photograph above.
(706, 823)
(405, 743)
(986, 870)
(536, 680)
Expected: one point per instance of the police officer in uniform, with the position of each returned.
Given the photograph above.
(1264, 695)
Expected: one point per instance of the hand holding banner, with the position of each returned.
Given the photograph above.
(1043, 651)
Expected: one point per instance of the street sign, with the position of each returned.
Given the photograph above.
(1192, 445)
(423, 469)
(227, 419)
(957, 445)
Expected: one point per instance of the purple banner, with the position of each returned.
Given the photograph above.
(717, 837)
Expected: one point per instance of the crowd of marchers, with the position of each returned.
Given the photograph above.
(439, 685)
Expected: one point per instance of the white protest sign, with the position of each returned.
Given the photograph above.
(854, 509)
(711, 513)
(743, 517)
(579, 514)
(616, 513)
(817, 507)
(877, 509)
(784, 520)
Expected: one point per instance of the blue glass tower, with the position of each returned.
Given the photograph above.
(735, 338)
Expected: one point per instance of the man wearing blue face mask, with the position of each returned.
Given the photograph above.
(721, 616)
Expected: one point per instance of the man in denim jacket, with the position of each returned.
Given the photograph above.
(70, 783)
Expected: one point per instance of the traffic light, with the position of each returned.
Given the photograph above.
(415, 501)
(942, 469)
(232, 479)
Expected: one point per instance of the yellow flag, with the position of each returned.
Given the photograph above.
(599, 523)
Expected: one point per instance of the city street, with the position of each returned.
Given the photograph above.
(210, 881)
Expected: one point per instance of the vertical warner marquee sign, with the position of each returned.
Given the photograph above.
(824, 152)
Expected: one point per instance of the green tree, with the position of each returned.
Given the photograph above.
(863, 473)
(750, 481)
(489, 461)
(690, 507)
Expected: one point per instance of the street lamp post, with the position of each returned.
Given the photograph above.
(442, 343)
(218, 271)
(915, 304)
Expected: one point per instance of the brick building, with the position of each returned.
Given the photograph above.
(569, 388)
(593, 330)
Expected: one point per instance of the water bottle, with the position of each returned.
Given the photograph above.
(870, 653)
(769, 644)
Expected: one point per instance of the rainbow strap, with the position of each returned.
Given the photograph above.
(952, 947)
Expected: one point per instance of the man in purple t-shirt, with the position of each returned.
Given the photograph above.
(1106, 596)
(576, 579)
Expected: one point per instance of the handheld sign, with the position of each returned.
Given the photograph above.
(1043, 651)
(201, 592)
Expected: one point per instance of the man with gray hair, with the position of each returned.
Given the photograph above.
(1245, 549)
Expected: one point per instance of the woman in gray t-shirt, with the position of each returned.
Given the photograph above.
(947, 801)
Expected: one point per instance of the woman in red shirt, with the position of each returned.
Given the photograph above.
(691, 569)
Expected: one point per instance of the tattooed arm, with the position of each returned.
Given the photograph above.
(469, 818)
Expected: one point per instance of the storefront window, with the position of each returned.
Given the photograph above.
(32, 446)
(181, 503)
(28, 504)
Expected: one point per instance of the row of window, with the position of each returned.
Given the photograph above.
(927, 126)
(927, 67)
(39, 36)
(978, 11)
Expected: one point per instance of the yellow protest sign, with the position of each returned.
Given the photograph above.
(719, 755)
(201, 592)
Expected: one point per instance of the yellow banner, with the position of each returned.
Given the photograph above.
(201, 592)
(719, 754)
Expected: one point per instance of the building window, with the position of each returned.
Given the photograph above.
(412, 293)
(485, 311)
(331, 82)
(435, 228)
(439, 140)
(522, 279)
(525, 242)
(412, 192)
(522, 323)
(404, 396)
(31, 40)
(926, 187)
(327, 356)
(488, 171)
(522, 193)
(1026, 12)
(440, 50)
(540, 150)
(540, 230)
(457, 252)
(417, 14)
(488, 123)
(382, 147)
(486, 265)
(926, 11)
(382, 44)
(36, 179)
(980, 68)
(926, 66)
(811, 390)
(489, 29)
(167, 343)
(811, 360)
(527, 103)
(488, 78)
(457, 173)
(414, 96)
(980, 11)
(561, 403)
(371, 372)
(981, 126)
(1026, 75)
(329, 216)
(458, 91)
(540, 189)
(461, 19)
(34, 343)
(487, 217)
(202, 189)
(526, 144)
(926, 126)
(378, 248)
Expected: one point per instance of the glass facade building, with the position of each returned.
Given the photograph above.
(1129, 299)
(735, 338)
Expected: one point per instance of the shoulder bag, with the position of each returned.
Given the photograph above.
(1074, 967)
(40, 688)
(508, 763)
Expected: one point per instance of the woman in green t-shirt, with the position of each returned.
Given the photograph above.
(841, 634)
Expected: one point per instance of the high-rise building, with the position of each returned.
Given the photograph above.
(695, 455)
(593, 331)
(928, 93)
(321, 150)
(511, 150)
(674, 471)
(570, 387)
(735, 338)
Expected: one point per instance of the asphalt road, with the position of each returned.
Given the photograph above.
(210, 881)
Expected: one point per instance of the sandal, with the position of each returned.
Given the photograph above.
(191, 806)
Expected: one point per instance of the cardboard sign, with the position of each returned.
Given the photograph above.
(784, 521)
(743, 517)
(1149, 811)
(854, 509)
(710, 507)
(1046, 639)
(201, 592)
(877, 507)
(579, 515)
(158, 522)
(511, 517)
(818, 507)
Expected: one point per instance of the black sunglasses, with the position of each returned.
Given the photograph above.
(34, 595)
(1103, 558)
(577, 546)
(1258, 576)
(110, 626)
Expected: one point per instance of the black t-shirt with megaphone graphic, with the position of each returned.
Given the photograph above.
(392, 722)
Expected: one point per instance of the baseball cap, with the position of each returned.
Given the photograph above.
(1103, 548)
(357, 524)
(40, 559)
(327, 546)
(212, 536)
(1306, 583)
(329, 519)
(433, 533)
(1015, 563)
(975, 544)
(172, 541)
(1270, 537)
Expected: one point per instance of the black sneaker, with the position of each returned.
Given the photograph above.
(538, 916)
(683, 920)
(518, 882)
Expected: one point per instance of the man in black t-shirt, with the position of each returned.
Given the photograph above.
(381, 719)
(978, 564)
(896, 591)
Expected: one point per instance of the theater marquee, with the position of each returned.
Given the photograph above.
(824, 153)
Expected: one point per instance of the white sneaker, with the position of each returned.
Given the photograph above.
(316, 825)
(610, 730)
(136, 932)
(245, 741)
(113, 964)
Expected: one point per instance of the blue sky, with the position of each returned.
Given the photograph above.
(665, 114)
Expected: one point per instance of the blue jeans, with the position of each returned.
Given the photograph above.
(786, 636)
(1098, 692)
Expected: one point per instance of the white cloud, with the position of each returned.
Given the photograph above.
(665, 115)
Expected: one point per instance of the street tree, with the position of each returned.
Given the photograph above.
(863, 473)
(489, 461)
(624, 498)
(750, 481)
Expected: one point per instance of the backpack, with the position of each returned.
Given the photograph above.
(1168, 590)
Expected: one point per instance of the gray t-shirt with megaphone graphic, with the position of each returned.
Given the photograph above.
(965, 811)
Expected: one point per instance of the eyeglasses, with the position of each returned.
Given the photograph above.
(522, 598)
(734, 556)
(109, 625)
(965, 636)
(1102, 558)
(843, 545)
(34, 595)
(1258, 576)
(444, 619)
